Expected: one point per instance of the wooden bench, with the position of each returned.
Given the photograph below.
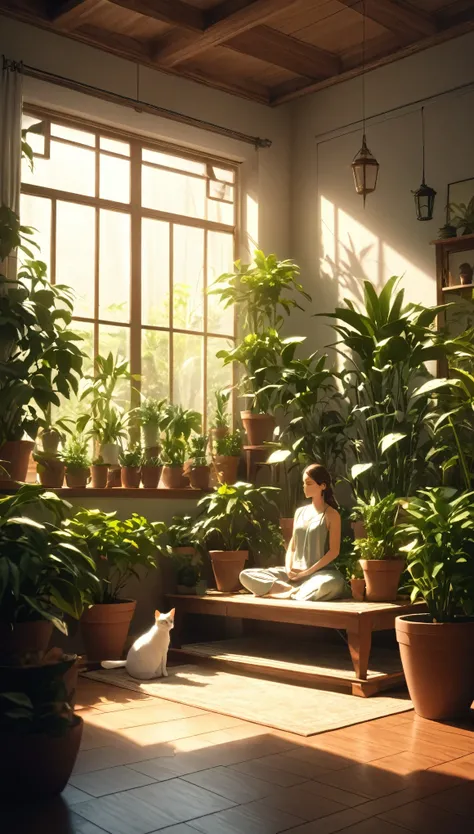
(358, 619)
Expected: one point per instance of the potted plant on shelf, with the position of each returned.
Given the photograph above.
(378, 551)
(436, 647)
(227, 457)
(50, 469)
(150, 416)
(198, 469)
(130, 461)
(77, 461)
(150, 471)
(462, 216)
(184, 548)
(220, 425)
(238, 519)
(177, 426)
(99, 471)
(121, 550)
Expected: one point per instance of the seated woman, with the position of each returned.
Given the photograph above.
(309, 573)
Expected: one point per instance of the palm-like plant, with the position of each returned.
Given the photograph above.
(462, 216)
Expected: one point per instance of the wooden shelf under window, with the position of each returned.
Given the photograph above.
(458, 287)
(117, 492)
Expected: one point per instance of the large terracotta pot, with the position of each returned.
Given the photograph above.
(15, 456)
(438, 662)
(172, 477)
(77, 478)
(226, 468)
(130, 476)
(42, 762)
(382, 577)
(23, 638)
(151, 476)
(99, 473)
(358, 589)
(259, 427)
(227, 566)
(104, 629)
(286, 525)
(199, 477)
(51, 473)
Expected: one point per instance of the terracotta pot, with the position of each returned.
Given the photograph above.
(438, 662)
(259, 427)
(226, 468)
(227, 566)
(187, 550)
(199, 477)
(41, 761)
(286, 525)
(151, 476)
(130, 476)
(15, 456)
(358, 589)
(109, 452)
(77, 478)
(114, 477)
(172, 477)
(381, 578)
(22, 638)
(51, 473)
(104, 629)
(99, 473)
(56, 665)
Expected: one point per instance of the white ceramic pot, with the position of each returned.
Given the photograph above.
(110, 453)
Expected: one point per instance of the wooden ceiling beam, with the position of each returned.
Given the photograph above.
(175, 12)
(69, 14)
(286, 52)
(404, 20)
(175, 47)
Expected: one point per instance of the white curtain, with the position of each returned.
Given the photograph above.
(11, 84)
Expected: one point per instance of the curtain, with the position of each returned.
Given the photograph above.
(11, 84)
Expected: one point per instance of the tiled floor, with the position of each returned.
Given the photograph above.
(149, 766)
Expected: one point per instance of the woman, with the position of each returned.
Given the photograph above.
(309, 573)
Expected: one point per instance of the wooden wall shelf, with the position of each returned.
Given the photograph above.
(457, 288)
(459, 239)
(118, 492)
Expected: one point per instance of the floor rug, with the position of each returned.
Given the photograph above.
(295, 709)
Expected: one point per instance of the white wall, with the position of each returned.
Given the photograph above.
(334, 239)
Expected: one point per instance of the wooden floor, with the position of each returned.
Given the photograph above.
(148, 765)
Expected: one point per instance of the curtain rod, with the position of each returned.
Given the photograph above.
(142, 106)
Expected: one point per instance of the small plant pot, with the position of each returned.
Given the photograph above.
(50, 439)
(104, 629)
(15, 457)
(382, 577)
(172, 477)
(438, 662)
(259, 427)
(358, 589)
(77, 478)
(227, 566)
(150, 435)
(130, 477)
(51, 473)
(25, 638)
(151, 476)
(109, 452)
(42, 762)
(226, 468)
(99, 473)
(114, 477)
(286, 526)
(199, 477)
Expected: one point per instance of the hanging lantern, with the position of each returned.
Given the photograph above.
(365, 170)
(425, 196)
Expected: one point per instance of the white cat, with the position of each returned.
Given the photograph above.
(146, 659)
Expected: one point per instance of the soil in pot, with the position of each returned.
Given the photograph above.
(130, 477)
(77, 478)
(382, 577)
(51, 473)
(172, 477)
(38, 765)
(358, 589)
(227, 566)
(438, 662)
(259, 427)
(24, 638)
(99, 473)
(226, 468)
(286, 526)
(15, 456)
(199, 477)
(104, 629)
(150, 476)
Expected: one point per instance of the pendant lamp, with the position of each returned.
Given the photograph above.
(425, 196)
(365, 168)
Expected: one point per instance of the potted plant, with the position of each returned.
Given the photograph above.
(99, 471)
(43, 574)
(40, 732)
(238, 519)
(220, 425)
(184, 548)
(77, 461)
(378, 551)
(227, 457)
(121, 550)
(150, 416)
(198, 470)
(462, 216)
(173, 455)
(436, 647)
(130, 461)
(151, 471)
(50, 469)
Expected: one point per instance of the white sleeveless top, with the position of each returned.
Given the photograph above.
(310, 533)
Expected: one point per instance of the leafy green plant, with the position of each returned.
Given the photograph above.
(441, 551)
(221, 419)
(173, 451)
(43, 573)
(462, 216)
(181, 533)
(151, 412)
(42, 705)
(231, 445)
(132, 457)
(76, 454)
(180, 422)
(154, 462)
(110, 427)
(197, 449)
(380, 519)
(259, 354)
(109, 421)
(118, 548)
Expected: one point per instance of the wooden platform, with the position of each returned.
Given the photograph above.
(357, 619)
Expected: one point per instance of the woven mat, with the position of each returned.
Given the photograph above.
(295, 709)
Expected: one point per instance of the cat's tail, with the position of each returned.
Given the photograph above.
(112, 664)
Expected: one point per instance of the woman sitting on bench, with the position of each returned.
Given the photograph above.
(309, 574)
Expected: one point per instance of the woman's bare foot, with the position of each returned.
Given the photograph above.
(280, 590)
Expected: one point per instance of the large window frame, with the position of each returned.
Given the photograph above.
(136, 211)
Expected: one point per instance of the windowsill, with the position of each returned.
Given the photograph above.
(117, 492)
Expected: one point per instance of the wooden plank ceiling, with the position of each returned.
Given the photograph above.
(267, 50)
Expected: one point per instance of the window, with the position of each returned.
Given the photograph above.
(139, 231)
